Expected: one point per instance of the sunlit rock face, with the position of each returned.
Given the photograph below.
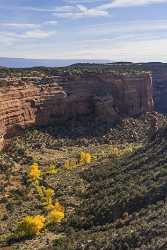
(106, 97)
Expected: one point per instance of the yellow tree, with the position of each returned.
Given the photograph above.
(31, 225)
(34, 173)
(48, 194)
(56, 214)
(85, 158)
(88, 158)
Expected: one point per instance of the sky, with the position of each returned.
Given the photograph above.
(118, 30)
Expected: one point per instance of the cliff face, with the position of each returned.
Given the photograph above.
(108, 97)
(159, 75)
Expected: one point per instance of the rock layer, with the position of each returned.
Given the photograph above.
(107, 97)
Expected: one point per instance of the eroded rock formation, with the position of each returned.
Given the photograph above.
(105, 96)
(159, 76)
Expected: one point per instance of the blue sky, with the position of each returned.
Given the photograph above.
(128, 30)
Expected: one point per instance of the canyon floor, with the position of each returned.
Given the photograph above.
(114, 202)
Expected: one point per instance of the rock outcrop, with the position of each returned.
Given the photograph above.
(106, 97)
(159, 76)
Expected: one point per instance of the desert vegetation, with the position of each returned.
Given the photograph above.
(53, 212)
(104, 191)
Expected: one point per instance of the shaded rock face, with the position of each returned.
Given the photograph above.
(131, 95)
(107, 97)
(159, 75)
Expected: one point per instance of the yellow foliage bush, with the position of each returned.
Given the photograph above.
(52, 169)
(115, 151)
(88, 157)
(34, 172)
(82, 157)
(47, 196)
(39, 190)
(85, 158)
(56, 214)
(59, 207)
(56, 206)
(128, 149)
(69, 164)
(31, 225)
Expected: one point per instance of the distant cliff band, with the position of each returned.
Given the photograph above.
(107, 97)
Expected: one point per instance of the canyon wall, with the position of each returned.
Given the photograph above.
(159, 76)
(106, 97)
(158, 71)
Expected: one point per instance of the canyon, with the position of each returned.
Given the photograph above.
(50, 116)
(106, 97)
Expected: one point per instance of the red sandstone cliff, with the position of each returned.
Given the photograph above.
(107, 97)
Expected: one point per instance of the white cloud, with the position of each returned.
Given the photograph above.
(78, 11)
(65, 8)
(71, 11)
(124, 50)
(145, 50)
(20, 25)
(136, 51)
(37, 34)
(11, 38)
(7, 38)
(134, 27)
(132, 40)
(82, 1)
(128, 3)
